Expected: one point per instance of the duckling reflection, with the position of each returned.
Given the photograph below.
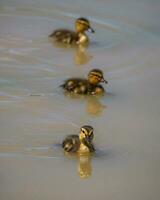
(82, 56)
(85, 166)
(94, 106)
(77, 37)
(90, 86)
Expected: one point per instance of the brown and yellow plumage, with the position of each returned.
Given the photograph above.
(88, 86)
(77, 37)
(80, 144)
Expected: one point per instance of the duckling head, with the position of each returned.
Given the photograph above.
(95, 76)
(86, 134)
(82, 25)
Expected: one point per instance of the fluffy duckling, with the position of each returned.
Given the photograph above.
(88, 86)
(77, 37)
(81, 144)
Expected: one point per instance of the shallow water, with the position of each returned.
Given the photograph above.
(35, 115)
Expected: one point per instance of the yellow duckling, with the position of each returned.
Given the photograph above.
(81, 144)
(77, 37)
(88, 86)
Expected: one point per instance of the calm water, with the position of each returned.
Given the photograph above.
(35, 115)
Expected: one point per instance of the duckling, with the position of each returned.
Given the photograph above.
(77, 37)
(88, 86)
(81, 144)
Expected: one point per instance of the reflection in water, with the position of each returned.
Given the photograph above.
(85, 166)
(84, 160)
(94, 106)
(82, 56)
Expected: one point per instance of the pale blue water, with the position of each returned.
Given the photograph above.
(35, 115)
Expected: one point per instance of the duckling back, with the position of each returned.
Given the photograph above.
(76, 86)
(65, 36)
(71, 143)
(82, 86)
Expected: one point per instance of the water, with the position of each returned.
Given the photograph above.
(35, 115)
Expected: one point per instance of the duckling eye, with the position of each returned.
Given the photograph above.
(83, 131)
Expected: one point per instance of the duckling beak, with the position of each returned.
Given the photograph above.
(91, 30)
(104, 81)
